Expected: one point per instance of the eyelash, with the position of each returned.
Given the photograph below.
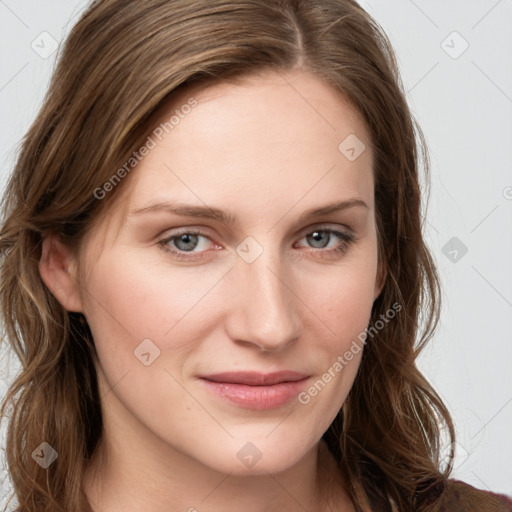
(346, 238)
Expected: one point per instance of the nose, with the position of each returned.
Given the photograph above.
(264, 310)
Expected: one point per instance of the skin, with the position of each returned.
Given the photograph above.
(264, 150)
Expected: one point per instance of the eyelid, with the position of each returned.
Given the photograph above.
(327, 226)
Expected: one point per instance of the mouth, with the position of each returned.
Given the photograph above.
(254, 390)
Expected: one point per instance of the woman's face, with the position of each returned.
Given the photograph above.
(234, 340)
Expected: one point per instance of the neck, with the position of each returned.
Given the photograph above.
(314, 484)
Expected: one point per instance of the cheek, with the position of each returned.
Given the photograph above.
(343, 299)
(145, 299)
(342, 302)
(343, 306)
(135, 309)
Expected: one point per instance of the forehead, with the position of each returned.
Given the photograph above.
(274, 135)
(271, 98)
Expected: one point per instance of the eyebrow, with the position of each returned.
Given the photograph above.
(209, 212)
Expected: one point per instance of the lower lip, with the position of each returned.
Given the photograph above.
(256, 397)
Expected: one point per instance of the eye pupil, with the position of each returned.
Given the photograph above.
(186, 238)
(318, 234)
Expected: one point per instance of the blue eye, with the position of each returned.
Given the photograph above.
(184, 241)
(316, 236)
(182, 245)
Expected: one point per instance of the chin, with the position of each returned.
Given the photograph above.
(256, 455)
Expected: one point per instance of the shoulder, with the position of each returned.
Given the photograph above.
(460, 496)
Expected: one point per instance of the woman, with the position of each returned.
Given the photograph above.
(188, 340)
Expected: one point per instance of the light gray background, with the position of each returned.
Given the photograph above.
(463, 101)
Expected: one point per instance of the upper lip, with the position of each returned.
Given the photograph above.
(255, 378)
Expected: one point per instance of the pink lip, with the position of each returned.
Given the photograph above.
(253, 390)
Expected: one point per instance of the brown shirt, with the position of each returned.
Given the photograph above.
(461, 497)
(455, 496)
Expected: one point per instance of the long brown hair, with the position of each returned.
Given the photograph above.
(119, 64)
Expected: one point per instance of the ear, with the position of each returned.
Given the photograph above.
(380, 280)
(58, 269)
